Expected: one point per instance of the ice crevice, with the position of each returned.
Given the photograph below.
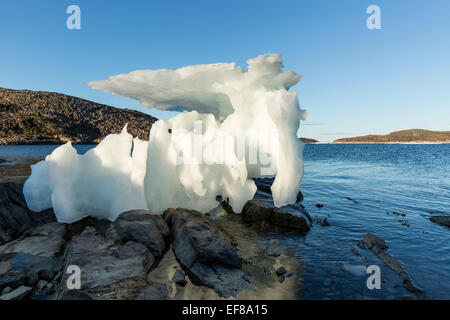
(237, 124)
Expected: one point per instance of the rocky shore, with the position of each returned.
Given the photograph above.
(127, 258)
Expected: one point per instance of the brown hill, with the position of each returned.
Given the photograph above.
(39, 117)
(403, 136)
(309, 140)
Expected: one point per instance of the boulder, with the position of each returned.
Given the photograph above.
(256, 212)
(15, 217)
(144, 227)
(46, 240)
(179, 278)
(108, 270)
(442, 220)
(206, 253)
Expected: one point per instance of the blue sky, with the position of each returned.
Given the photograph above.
(355, 81)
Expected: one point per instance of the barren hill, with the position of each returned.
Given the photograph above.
(39, 117)
(403, 136)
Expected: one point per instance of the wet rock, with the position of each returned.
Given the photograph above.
(179, 278)
(6, 291)
(378, 246)
(356, 252)
(5, 267)
(28, 269)
(41, 284)
(273, 248)
(374, 243)
(46, 240)
(144, 227)
(282, 278)
(109, 271)
(319, 205)
(15, 217)
(206, 253)
(153, 291)
(75, 295)
(442, 220)
(281, 271)
(18, 294)
(325, 223)
(257, 213)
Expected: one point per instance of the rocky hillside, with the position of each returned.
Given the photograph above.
(403, 136)
(38, 117)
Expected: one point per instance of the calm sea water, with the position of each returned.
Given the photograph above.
(360, 186)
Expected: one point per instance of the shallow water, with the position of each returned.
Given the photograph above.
(360, 186)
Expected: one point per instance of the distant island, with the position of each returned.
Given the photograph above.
(40, 117)
(308, 140)
(403, 136)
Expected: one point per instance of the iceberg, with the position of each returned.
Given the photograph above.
(234, 125)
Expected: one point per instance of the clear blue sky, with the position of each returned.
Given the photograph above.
(355, 81)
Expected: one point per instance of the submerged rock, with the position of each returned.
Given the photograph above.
(206, 253)
(74, 294)
(442, 220)
(378, 246)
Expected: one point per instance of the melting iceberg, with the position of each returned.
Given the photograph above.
(235, 125)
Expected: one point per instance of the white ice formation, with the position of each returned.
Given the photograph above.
(238, 125)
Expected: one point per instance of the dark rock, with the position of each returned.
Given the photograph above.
(281, 271)
(46, 240)
(15, 217)
(41, 284)
(18, 294)
(179, 278)
(442, 220)
(75, 295)
(356, 252)
(27, 269)
(109, 271)
(153, 291)
(6, 291)
(206, 253)
(267, 271)
(5, 267)
(319, 205)
(144, 227)
(255, 212)
(325, 223)
(374, 243)
(282, 278)
(265, 185)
